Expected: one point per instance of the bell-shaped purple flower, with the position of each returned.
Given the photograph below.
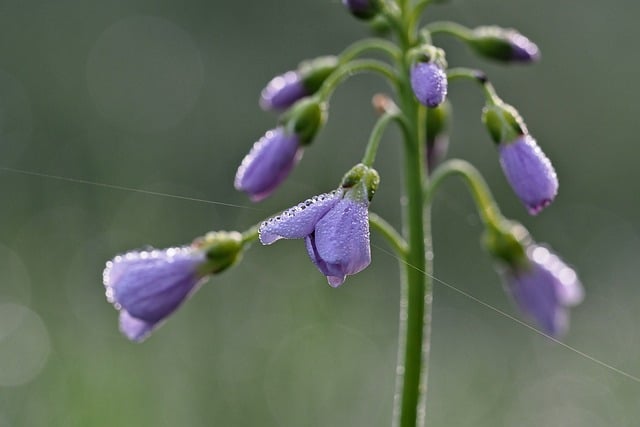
(429, 83)
(268, 163)
(335, 226)
(543, 288)
(339, 245)
(147, 286)
(283, 91)
(529, 173)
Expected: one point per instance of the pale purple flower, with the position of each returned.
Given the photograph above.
(429, 83)
(147, 286)
(268, 163)
(529, 173)
(544, 288)
(335, 227)
(283, 91)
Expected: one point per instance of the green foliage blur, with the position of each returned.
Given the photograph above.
(105, 104)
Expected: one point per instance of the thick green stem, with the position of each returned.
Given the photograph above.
(416, 286)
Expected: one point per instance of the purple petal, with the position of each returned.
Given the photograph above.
(523, 49)
(300, 220)
(283, 91)
(135, 329)
(150, 285)
(269, 162)
(529, 173)
(545, 290)
(429, 83)
(339, 245)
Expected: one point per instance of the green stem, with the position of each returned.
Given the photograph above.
(477, 76)
(376, 136)
(486, 204)
(416, 285)
(395, 240)
(370, 44)
(250, 235)
(351, 68)
(451, 28)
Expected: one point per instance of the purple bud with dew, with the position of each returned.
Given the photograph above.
(362, 9)
(503, 44)
(335, 226)
(148, 286)
(268, 163)
(529, 172)
(544, 287)
(283, 91)
(429, 83)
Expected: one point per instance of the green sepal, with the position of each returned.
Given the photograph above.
(503, 122)
(428, 53)
(305, 119)
(507, 242)
(222, 248)
(361, 182)
(438, 120)
(492, 42)
(315, 71)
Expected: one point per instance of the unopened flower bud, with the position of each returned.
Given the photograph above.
(429, 83)
(363, 9)
(285, 90)
(503, 44)
(438, 125)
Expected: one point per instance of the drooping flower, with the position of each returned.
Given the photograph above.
(544, 287)
(335, 226)
(362, 9)
(147, 286)
(268, 163)
(429, 83)
(503, 44)
(286, 89)
(272, 158)
(529, 172)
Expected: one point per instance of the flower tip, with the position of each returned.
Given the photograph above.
(135, 330)
(539, 207)
(335, 281)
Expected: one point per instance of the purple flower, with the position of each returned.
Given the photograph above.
(147, 286)
(363, 9)
(429, 83)
(522, 49)
(283, 91)
(269, 162)
(529, 172)
(544, 288)
(335, 227)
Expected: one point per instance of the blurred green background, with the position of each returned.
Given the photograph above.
(162, 96)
